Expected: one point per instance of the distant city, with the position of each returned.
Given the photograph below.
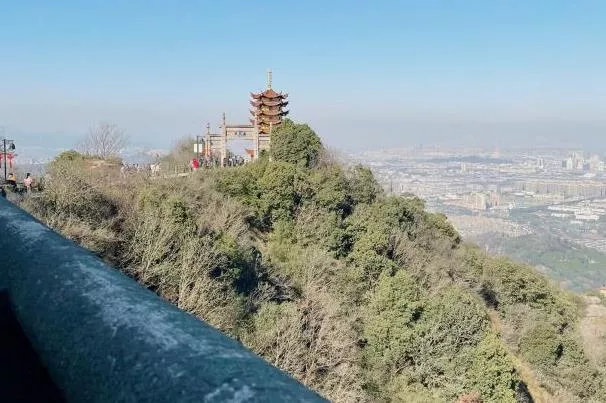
(546, 207)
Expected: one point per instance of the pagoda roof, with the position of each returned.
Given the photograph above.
(268, 93)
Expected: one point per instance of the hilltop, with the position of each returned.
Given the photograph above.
(361, 296)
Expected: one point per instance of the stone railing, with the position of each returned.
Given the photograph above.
(102, 337)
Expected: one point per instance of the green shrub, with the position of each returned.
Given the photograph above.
(329, 187)
(69, 155)
(364, 188)
(541, 345)
(295, 143)
(393, 309)
(492, 372)
(277, 200)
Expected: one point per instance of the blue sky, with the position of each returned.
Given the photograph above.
(364, 74)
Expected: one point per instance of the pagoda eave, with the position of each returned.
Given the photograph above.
(256, 112)
(277, 112)
(268, 103)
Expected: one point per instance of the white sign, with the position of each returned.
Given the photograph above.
(241, 132)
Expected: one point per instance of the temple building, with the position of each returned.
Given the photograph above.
(268, 108)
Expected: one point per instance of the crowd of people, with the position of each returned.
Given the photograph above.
(194, 165)
(127, 169)
(133, 168)
(206, 162)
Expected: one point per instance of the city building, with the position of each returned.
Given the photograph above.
(568, 164)
(540, 163)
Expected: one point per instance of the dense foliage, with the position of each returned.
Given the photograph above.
(361, 296)
(295, 143)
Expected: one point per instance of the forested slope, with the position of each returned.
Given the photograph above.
(361, 296)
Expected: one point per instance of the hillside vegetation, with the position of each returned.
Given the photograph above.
(361, 296)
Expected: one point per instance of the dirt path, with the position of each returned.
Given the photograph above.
(593, 331)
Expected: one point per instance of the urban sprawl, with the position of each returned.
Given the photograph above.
(544, 206)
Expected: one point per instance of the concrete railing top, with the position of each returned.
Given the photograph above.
(103, 337)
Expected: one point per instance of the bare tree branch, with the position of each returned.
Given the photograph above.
(104, 140)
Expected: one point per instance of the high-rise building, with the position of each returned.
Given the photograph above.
(568, 164)
(579, 165)
(594, 163)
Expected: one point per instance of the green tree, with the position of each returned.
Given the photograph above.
(393, 309)
(295, 143)
(278, 197)
(452, 323)
(364, 187)
(440, 222)
(330, 188)
(69, 155)
(492, 372)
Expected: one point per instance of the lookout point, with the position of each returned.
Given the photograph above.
(268, 109)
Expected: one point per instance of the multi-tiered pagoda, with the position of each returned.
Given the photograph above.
(268, 108)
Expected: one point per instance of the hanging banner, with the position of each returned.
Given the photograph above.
(9, 157)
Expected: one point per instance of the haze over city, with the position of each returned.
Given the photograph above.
(474, 73)
(345, 201)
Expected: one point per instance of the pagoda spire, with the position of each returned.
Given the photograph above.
(269, 79)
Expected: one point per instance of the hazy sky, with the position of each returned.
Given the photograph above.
(362, 73)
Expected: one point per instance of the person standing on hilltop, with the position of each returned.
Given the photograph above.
(12, 181)
(195, 164)
(27, 182)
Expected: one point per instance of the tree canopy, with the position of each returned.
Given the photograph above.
(295, 143)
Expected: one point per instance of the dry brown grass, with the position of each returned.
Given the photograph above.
(593, 331)
(313, 338)
(469, 398)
